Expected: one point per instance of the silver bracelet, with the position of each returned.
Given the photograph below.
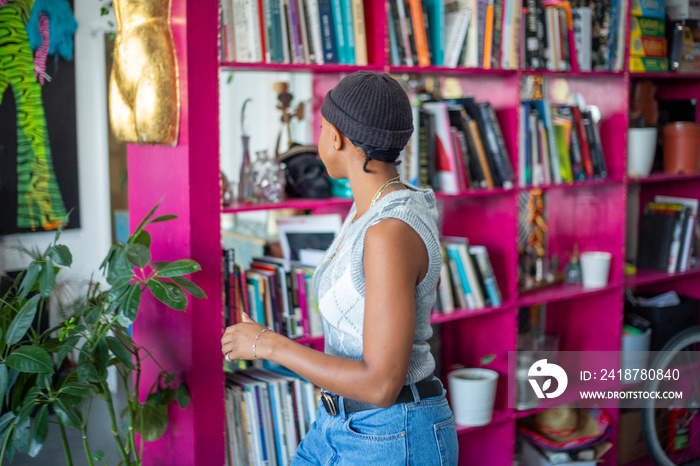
(256, 342)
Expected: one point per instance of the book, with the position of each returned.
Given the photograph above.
(464, 286)
(445, 287)
(358, 12)
(447, 171)
(349, 30)
(439, 36)
(456, 27)
(419, 33)
(327, 24)
(338, 28)
(489, 278)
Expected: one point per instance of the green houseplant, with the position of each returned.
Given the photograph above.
(64, 368)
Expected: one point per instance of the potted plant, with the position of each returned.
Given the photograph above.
(61, 369)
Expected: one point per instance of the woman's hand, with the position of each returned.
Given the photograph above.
(238, 339)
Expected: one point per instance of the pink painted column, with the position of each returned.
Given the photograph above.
(186, 178)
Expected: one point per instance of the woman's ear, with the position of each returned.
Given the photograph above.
(336, 137)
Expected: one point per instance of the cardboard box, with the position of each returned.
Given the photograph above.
(630, 444)
(649, 9)
(649, 47)
(533, 457)
(648, 65)
(683, 9)
(647, 27)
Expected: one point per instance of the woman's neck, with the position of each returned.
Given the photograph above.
(365, 186)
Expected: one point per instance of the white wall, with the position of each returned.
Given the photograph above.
(91, 242)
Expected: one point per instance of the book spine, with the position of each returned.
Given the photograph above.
(509, 175)
(481, 6)
(395, 40)
(304, 33)
(330, 50)
(488, 35)
(453, 253)
(264, 39)
(422, 50)
(358, 11)
(405, 13)
(339, 34)
(497, 31)
(349, 31)
(471, 57)
(294, 36)
(312, 10)
(436, 19)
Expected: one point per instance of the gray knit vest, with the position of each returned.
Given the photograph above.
(339, 285)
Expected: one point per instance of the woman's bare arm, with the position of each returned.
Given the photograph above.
(395, 260)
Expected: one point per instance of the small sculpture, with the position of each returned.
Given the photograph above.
(285, 98)
(144, 94)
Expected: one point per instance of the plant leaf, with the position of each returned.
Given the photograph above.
(3, 381)
(39, 431)
(143, 223)
(183, 396)
(12, 376)
(170, 378)
(116, 347)
(24, 318)
(61, 255)
(20, 435)
(32, 359)
(163, 218)
(101, 353)
(86, 368)
(130, 306)
(143, 238)
(29, 279)
(138, 255)
(168, 293)
(151, 421)
(68, 415)
(189, 286)
(157, 265)
(98, 456)
(82, 390)
(67, 346)
(5, 423)
(179, 268)
(47, 278)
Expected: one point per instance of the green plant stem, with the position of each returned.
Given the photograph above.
(66, 446)
(85, 445)
(113, 421)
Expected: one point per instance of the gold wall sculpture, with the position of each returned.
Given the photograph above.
(144, 93)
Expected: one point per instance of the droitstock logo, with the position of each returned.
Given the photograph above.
(542, 369)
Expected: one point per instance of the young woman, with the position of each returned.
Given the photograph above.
(375, 288)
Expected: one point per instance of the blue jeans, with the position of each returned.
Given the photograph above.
(414, 433)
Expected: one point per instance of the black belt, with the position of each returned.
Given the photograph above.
(425, 389)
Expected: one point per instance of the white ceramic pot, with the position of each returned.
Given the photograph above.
(595, 268)
(641, 148)
(472, 395)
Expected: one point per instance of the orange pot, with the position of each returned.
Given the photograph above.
(681, 147)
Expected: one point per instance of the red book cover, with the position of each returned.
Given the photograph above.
(261, 17)
(303, 305)
(583, 139)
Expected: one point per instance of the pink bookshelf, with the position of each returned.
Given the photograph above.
(590, 214)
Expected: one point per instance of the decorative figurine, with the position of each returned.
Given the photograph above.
(285, 98)
(144, 93)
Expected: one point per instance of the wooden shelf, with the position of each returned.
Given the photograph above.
(574, 74)
(665, 75)
(301, 204)
(561, 292)
(575, 185)
(499, 417)
(664, 178)
(302, 67)
(650, 277)
(447, 70)
(460, 314)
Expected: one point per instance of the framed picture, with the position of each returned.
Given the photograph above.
(307, 232)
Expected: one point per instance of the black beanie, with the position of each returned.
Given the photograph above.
(372, 110)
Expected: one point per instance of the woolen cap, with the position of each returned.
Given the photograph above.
(370, 108)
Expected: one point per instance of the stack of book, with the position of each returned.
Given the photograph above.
(457, 145)
(274, 292)
(468, 33)
(293, 31)
(559, 144)
(559, 37)
(668, 234)
(467, 280)
(648, 43)
(268, 412)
